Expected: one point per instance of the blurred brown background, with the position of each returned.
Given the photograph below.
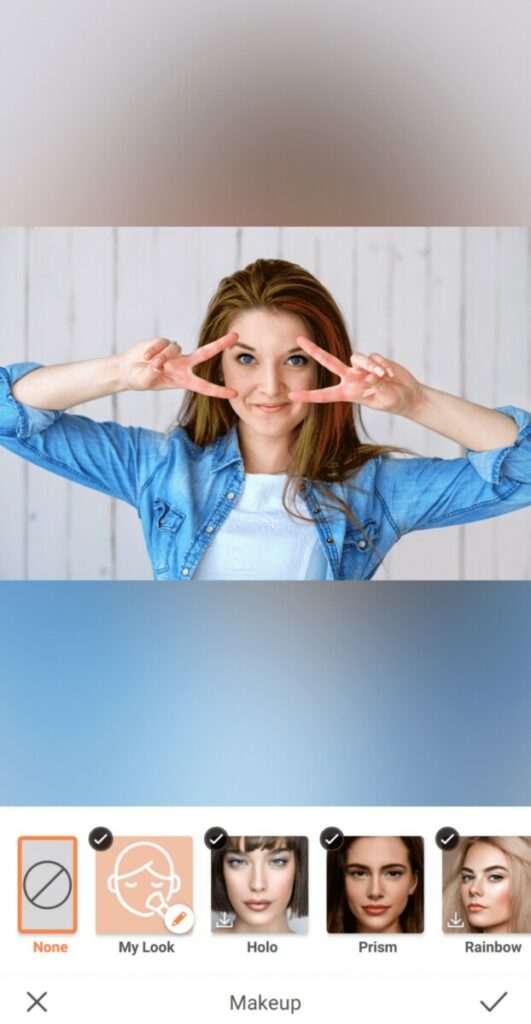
(156, 112)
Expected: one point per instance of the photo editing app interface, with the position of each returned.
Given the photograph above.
(193, 914)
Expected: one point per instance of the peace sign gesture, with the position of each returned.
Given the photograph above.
(159, 364)
(373, 381)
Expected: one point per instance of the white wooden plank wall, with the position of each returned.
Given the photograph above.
(452, 304)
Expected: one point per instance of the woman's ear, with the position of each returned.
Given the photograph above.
(413, 887)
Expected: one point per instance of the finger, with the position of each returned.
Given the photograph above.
(200, 355)
(319, 395)
(205, 387)
(385, 363)
(364, 363)
(156, 347)
(325, 358)
(171, 353)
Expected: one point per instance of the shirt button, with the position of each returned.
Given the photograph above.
(362, 545)
(209, 529)
(329, 540)
(186, 572)
(317, 511)
(231, 496)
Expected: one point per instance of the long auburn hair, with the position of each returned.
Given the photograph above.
(327, 447)
(518, 850)
(339, 915)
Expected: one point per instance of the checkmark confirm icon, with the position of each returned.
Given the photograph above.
(101, 839)
(332, 839)
(448, 839)
(214, 841)
(494, 1005)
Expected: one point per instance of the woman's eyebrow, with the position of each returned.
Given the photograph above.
(495, 867)
(384, 867)
(241, 344)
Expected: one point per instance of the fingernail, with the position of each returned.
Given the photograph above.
(379, 371)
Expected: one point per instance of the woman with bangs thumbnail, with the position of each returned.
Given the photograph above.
(264, 474)
(260, 884)
(375, 885)
(489, 889)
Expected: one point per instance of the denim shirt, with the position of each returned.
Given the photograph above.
(183, 492)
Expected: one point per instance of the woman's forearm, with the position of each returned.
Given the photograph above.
(69, 384)
(472, 426)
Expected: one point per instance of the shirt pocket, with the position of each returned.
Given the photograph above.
(167, 520)
(359, 547)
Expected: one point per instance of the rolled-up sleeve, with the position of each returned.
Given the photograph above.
(104, 456)
(422, 493)
(17, 420)
(514, 461)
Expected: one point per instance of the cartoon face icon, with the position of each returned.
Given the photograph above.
(144, 879)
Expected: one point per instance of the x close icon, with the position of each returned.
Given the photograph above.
(37, 1001)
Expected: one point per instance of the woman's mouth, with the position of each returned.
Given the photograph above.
(375, 909)
(475, 907)
(258, 905)
(272, 408)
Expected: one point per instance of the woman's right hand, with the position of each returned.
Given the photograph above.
(159, 364)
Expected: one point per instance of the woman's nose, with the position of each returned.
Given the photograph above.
(257, 879)
(475, 887)
(374, 889)
(271, 380)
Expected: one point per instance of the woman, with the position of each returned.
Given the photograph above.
(489, 889)
(375, 885)
(264, 475)
(260, 884)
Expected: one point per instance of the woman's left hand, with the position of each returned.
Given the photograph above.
(372, 380)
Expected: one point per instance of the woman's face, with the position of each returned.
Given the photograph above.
(378, 882)
(486, 890)
(263, 366)
(259, 886)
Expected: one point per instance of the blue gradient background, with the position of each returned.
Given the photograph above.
(143, 694)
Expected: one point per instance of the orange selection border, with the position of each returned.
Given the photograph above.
(47, 931)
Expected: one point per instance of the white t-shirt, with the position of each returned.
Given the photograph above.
(259, 540)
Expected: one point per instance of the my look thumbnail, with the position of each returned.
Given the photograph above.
(144, 886)
(375, 885)
(260, 885)
(487, 885)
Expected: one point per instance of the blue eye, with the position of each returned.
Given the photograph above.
(302, 360)
(245, 359)
(278, 862)
(236, 862)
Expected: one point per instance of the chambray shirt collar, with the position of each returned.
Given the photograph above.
(226, 451)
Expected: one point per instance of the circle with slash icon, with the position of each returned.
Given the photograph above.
(47, 884)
